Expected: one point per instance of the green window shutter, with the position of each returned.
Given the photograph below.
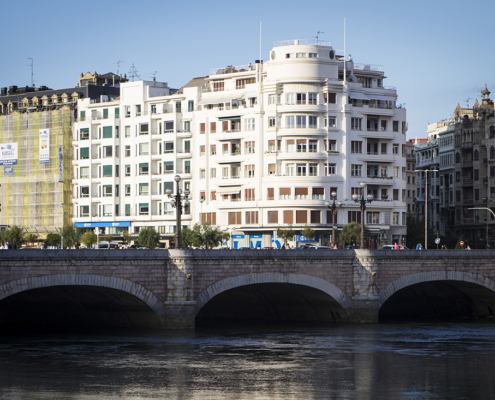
(187, 163)
(107, 132)
(169, 185)
(107, 171)
(117, 171)
(117, 112)
(127, 209)
(178, 106)
(83, 115)
(105, 113)
(143, 165)
(84, 152)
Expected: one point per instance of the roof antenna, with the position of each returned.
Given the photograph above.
(118, 65)
(133, 73)
(467, 101)
(317, 36)
(32, 71)
(153, 75)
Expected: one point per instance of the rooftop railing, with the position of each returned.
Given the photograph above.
(306, 42)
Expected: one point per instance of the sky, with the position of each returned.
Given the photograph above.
(436, 53)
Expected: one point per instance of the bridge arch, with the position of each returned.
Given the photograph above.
(273, 277)
(438, 294)
(146, 296)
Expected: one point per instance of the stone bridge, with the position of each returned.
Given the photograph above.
(177, 288)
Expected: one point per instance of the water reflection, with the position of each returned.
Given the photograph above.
(341, 361)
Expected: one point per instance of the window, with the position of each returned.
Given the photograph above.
(84, 153)
(144, 149)
(127, 111)
(301, 169)
(213, 149)
(105, 113)
(143, 129)
(187, 167)
(313, 146)
(249, 124)
(210, 218)
(84, 134)
(241, 83)
(356, 123)
(356, 170)
(301, 145)
(127, 151)
(396, 172)
(383, 124)
(313, 170)
(202, 174)
(168, 167)
(138, 110)
(143, 209)
(301, 193)
(330, 169)
(202, 150)
(356, 147)
(202, 127)
(107, 171)
(213, 127)
(84, 191)
(218, 86)
(318, 194)
(301, 121)
(190, 105)
(315, 217)
(273, 217)
(301, 217)
(271, 145)
(107, 190)
(168, 147)
(251, 217)
(395, 218)
(301, 98)
(107, 132)
(271, 122)
(313, 122)
(331, 122)
(395, 148)
(143, 189)
(144, 169)
(290, 169)
(330, 98)
(83, 116)
(383, 149)
(270, 194)
(249, 147)
(404, 127)
(290, 145)
(235, 218)
(213, 195)
(84, 211)
(395, 126)
(476, 174)
(288, 216)
(396, 194)
(249, 195)
(284, 194)
(289, 122)
(372, 217)
(312, 98)
(127, 190)
(354, 216)
(213, 172)
(249, 171)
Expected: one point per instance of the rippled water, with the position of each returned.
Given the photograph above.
(408, 361)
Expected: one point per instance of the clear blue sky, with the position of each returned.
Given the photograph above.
(437, 53)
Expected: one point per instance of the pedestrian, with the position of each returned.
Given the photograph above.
(419, 247)
(468, 248)
(283, 246)
(396, 246)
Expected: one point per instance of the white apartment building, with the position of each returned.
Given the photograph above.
(260, 146)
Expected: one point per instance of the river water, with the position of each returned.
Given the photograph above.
(382, 361)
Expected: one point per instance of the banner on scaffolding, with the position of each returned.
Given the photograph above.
(44, 146)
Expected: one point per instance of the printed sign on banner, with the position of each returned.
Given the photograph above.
(8, 154)
(44, 146)
(60, 165)
(8, 170)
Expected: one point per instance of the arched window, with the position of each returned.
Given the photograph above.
(492, 152)
(476, 155)
(458, 158)
(492, 132)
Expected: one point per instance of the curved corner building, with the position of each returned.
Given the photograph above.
(260, 146)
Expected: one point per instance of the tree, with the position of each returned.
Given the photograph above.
(308, 233)
(416, 233)
(126, 237)
(225, 237)
(351, 233)
(15, 236)
(70, 235)
(4, 236)
(286, 235)
(148, 237)
(206, 235)
(52, 239)
(109, 238)
(186, 237)
(89, 239)
(31, 238)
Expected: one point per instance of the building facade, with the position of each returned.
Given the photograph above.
(36, 155)
(260, 147)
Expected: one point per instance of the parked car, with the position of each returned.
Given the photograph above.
(391, 247)
(103, 245)
(318, 247)
(351, 247)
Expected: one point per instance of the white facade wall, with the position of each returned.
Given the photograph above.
(254, 144)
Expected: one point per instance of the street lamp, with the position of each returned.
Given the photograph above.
(176, 202)
(362, 203)
(333, 208)
(201, 201)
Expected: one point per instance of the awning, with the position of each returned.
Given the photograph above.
(101, 224)
(217, 99)
(358, 96)
(378, 97)
(228, 190)
(234, 118)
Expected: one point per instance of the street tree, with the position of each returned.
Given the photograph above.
(225, 237)
(89, 239)
(148, 237)
(206, 235)
(351, 233)
(31, 238)
(70, 235)
(15, 236)
(308, 233)
(126, 237)
(52, 240)
(186, 237)
(286, 235)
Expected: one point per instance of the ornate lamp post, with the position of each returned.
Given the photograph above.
(333, 208)
(176, 201)
(362, 203)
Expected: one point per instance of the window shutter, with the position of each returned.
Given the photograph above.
(271, 143)
(273, 217)
(107, 171)
(107, 132)
(290, 141)
(301, 191)
(318, 191)
(202, 127)
(270, 194)
(84, 152)
(284, 191)
(288, 217)
(301, 217)
(225, 126)
(213, 127)
(213, 195)
(271, 169)
(315, 217)
(169, 185)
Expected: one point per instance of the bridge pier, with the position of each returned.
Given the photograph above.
(365, 309)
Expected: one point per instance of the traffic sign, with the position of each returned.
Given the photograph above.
(437, 241)
(462, 244)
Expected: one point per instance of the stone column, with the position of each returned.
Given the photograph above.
(365, 299)
(179, 303)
